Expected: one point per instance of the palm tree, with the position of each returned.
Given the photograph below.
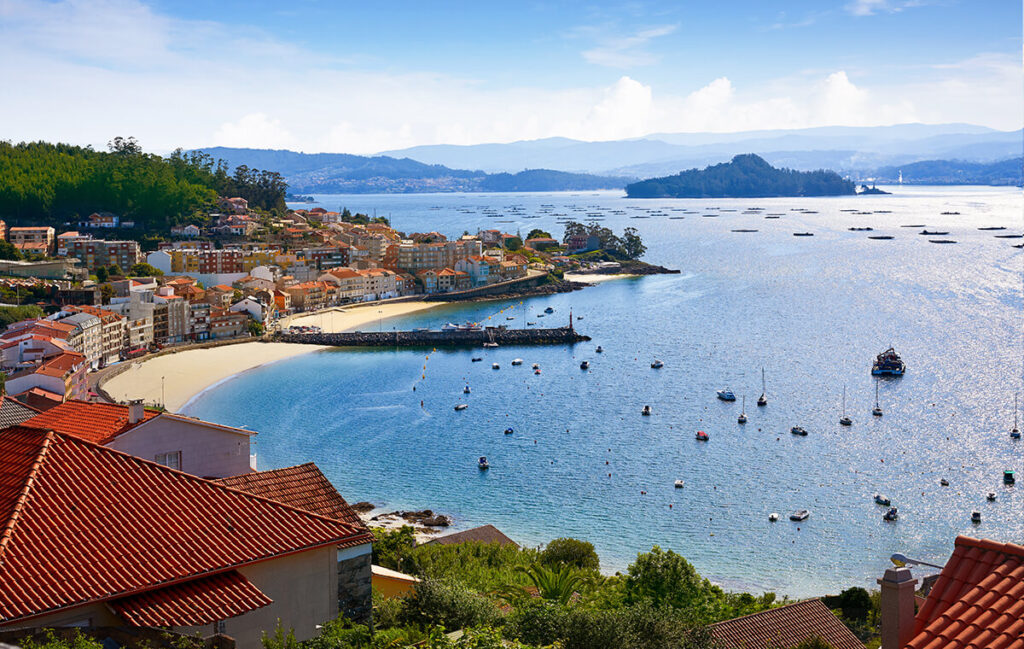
(554, 584)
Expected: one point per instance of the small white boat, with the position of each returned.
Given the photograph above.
(646, 411)
(536, 366)
(490, 345)
(798, 430)
(510, 317)
(462, 406)
(844, 420)
(509, 431)
(800, 515)
(943, 482)
(657, 365)
(742, 419)
(774, 516)
(585, 365)
(679, 484)
(882, 500)
(762, 400)
(517, 361)
(482, 463)
(495, 366)
(892, 515)
(466, 390)
(991, 496)
(726, 395)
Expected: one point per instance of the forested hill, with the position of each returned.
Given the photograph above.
(954, 172)
(329, 173)
(746, 176)
(49, 184)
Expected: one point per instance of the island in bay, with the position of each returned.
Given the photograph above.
(746, 176)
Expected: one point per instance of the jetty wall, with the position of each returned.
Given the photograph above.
(533, 279)
(559, 336)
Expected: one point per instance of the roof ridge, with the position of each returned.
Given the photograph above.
(19, 505)
(989, 544)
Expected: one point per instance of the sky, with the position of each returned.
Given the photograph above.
(366, 77)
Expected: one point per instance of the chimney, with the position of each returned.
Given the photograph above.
(897, 605)
(135, 411)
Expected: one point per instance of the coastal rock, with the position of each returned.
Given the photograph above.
(437, 521)
(362, 507)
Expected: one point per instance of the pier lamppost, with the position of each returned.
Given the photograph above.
(380, 323)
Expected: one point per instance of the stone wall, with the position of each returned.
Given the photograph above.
(355, 588)
(559, 336)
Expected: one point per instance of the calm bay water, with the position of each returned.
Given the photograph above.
(812, 310)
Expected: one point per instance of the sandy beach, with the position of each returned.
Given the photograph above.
(594, 278)
(173, 379)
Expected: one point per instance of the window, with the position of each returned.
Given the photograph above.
(172, 460)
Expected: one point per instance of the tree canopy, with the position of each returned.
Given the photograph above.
(49, 184)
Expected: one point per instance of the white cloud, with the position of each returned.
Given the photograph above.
(254, 130)
(871, 7)
(627, 52)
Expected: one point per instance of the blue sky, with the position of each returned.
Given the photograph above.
(366, 77)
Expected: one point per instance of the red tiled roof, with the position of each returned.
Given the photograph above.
(193, 603)
(786, 626)
(126, 525)
(977, 601)
(302, 487)
(93, 422)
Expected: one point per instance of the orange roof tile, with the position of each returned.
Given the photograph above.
(193, 603)
(302, 487)
(93, 422)
(785, 626)
(127, 525)
(978, 600)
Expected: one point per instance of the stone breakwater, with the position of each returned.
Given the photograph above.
(476, 338)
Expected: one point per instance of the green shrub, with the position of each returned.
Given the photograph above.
(572, 552)
(448, 603)
(391, 547)
(52, 641)
(387, 611)
(484, 567)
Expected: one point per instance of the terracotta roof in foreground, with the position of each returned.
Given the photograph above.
(84, 523)
(978, 600)
(193, 603)
(786, 626)
(302, 487)
(93, 422)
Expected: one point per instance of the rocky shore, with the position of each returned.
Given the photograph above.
(551, 288)
(425, 523)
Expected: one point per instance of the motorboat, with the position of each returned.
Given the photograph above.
(800, 515)
(882, 500)
(657, 365)
(536, 371)
(549, 310)
(803, 234)
(476, 359)
(888, 363)
(469, 326)
(944, 482)
(798, 430)
(482, 463)
(991, 496)
(495, 366)
(509, 431)
(975, 517)
(726, 395)
(510, 317)
(536, 366)
(462, 406)
(490, 345)
(517, 361)
(599, 350)
(892, 515)
(530, 323)
(774, 516)
(702, 436)
(1009, 477)
(466, 390)
(762, 400)
(646, 411)
(742, 419)
(585, 365)
(679, 484)
(845, 420)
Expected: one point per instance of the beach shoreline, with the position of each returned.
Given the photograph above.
(175, 380)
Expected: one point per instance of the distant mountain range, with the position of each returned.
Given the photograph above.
(554, 164)
(849, 150)
(328, 173)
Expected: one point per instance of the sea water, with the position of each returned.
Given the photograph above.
(583, 462)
